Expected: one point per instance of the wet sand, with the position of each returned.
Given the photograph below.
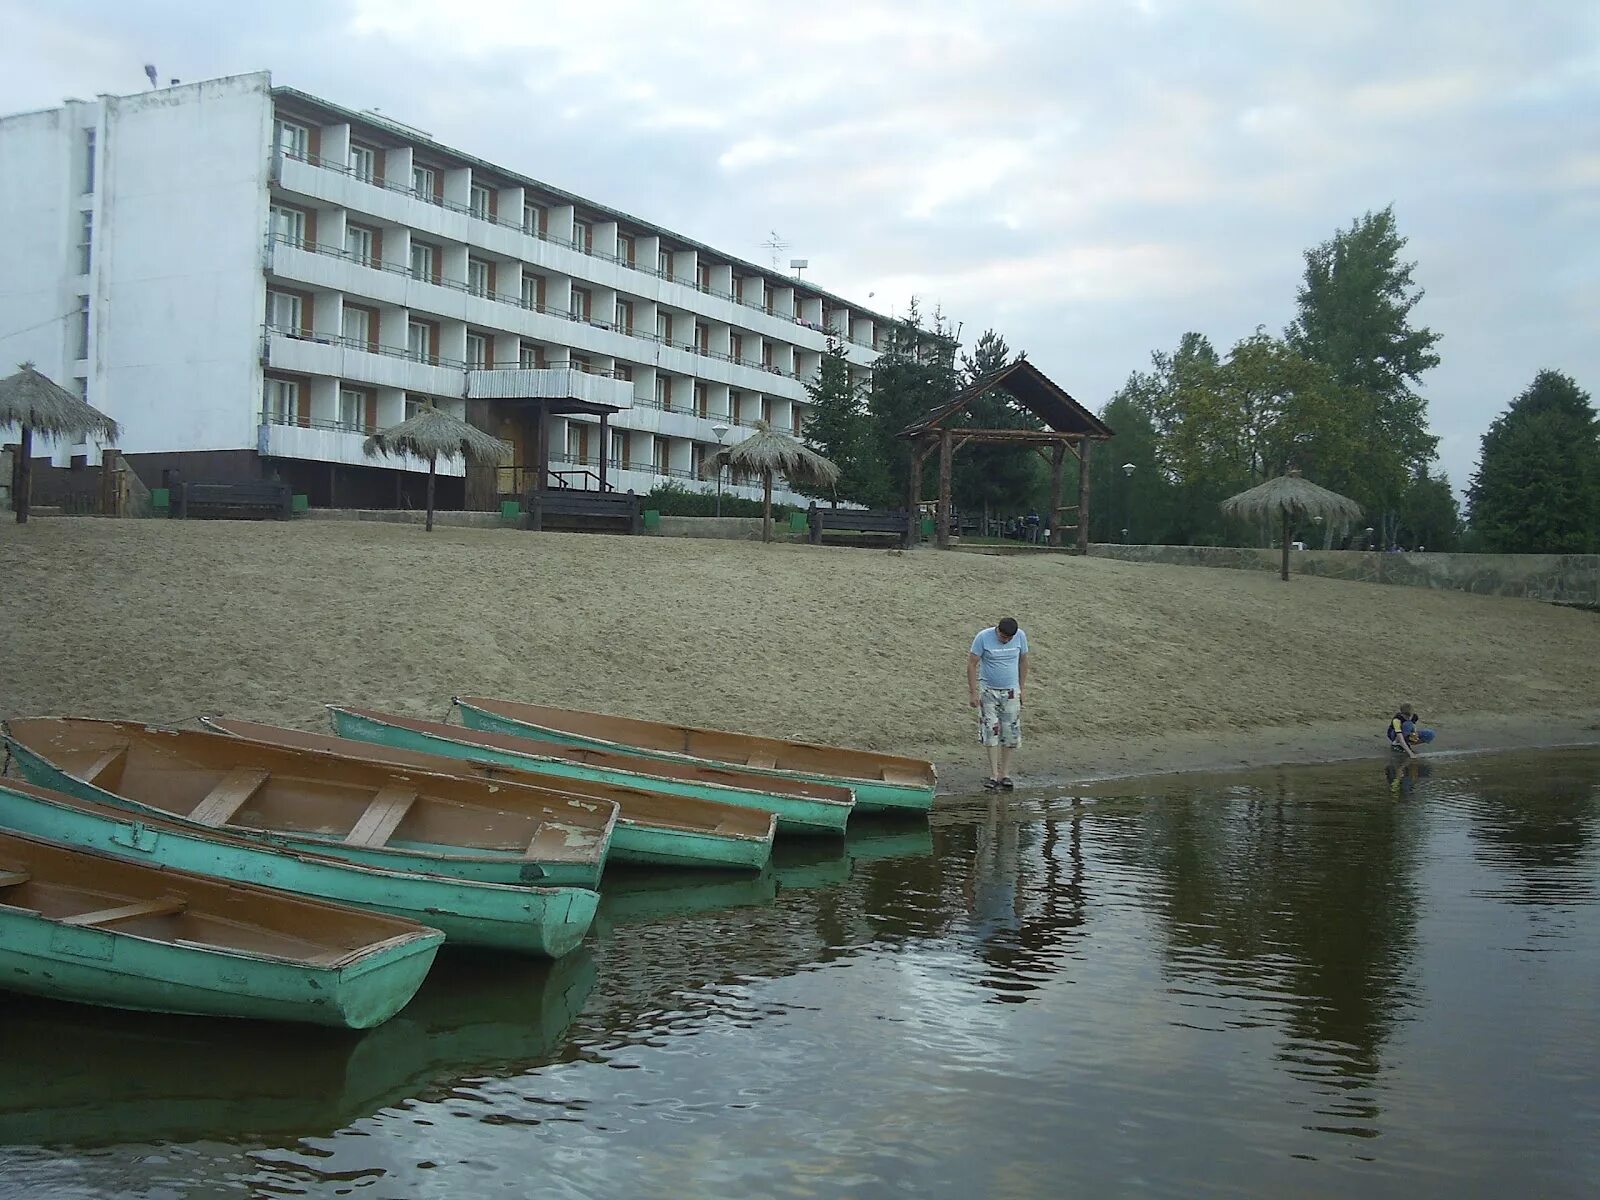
(1135, 667)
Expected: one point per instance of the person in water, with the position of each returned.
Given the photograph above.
(1404, 732)
(997, 671)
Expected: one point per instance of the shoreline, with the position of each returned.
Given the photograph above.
(1231, 752)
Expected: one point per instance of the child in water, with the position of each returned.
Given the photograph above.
(1403, 732)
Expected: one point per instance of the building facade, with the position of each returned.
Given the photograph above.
(251, 280)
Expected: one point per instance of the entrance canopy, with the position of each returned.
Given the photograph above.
(1069, 428)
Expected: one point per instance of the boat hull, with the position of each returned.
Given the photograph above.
(796, 814)
(538, 921)
(872, 795)
(510, 869)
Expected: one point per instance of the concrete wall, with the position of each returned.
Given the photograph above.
(1557, 578)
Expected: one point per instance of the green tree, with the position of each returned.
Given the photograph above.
(914, 373)
(995, 477)
(1537, 488)
(836, 427)
(1428, 514)
(1355, 307)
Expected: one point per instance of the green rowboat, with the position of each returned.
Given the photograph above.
(540, 921)
(653, 828)
(362, 812)
(801, 808)
(882, 783)
(92, 929)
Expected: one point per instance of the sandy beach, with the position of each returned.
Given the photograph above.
(1135, 668)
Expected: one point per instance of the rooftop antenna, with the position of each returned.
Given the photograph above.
(150, 73)
(777, 246)
(798, 264)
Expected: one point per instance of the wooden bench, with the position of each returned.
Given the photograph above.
(761, 762)
(252, 499)
(894, 522)
(162, 906)
(384, 814)
(585, 511)
(14, 878)
(92, 771)
(233, 792)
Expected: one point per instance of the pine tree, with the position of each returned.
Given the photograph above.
(989, 476)
(836, 426)
(915, 373)
(1537, 488)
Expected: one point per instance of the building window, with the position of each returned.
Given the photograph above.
(577, 443)
(623, 317)
(353, 409)
(580, 362)
(482, 202)
(766, 355)
(738, 288)
(294, 141)
(85, 239)
(619, 449)
(415, 404)
(702, 337)
(664, 393)
(288, 225)
(664, 327)
(533, 292)
(703, 276)
(285, 312)
(533, 219)
(477, 351)
(702, 404)
(530, 357)
(281, 400)
(766, 409)
(425, 184)
(625, 248)
(477, 277)
(363, 162)
(736, 347)
(622, 371)
(358, 327)
(582, 236)
(83, 327)
(664, 263)
(733, 408)
(659, 456)
(88, 161)
(578, 309)
(360, 244)
(419, 341)
(424, 261)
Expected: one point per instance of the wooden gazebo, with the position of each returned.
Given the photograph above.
(1069, 428)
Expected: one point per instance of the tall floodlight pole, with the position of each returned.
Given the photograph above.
(1127, 495)
(721, 431)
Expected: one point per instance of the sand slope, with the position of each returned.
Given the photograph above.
(1133, 665)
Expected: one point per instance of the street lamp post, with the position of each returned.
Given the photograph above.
(1317, 521)
(721, 431)
(1127, 495)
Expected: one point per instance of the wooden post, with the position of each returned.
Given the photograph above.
(1286, 545)
(946, 454)
(109, 506)
(605, 446)
(1083, 495)
(24, 475)
(919, 452)
(429, 528)
(1056, 462)
(333, 488)
(541, 462)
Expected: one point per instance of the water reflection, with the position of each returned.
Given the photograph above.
(1534, 820)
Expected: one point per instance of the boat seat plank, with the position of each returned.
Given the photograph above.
(762, 762)
(383, 816)
(161, 906)
(231, 794)
(13, 878)
(904, 778)
(90, 773)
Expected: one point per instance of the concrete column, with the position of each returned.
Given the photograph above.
(336, 145)
(458, 186)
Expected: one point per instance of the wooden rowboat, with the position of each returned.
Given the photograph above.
(537, 921)
(801, 807)
(653, 828)
(881, 782)
(96, 930)
(362, 812)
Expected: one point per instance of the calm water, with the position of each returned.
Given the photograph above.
(1314, 982)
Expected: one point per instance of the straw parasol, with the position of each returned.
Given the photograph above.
(432, 434)
(37, 404)
(1290, 497)
(769, 452)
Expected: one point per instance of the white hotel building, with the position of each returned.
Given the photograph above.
(250, 280)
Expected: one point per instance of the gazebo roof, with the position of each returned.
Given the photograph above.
(1030, 388)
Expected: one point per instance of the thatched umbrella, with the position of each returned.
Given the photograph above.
(433, 434)
(37, 404)
(768, 452)
(1290, 497)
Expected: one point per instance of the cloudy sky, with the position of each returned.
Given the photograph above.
(1090, 177)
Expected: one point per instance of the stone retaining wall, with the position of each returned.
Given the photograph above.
(1556, 578)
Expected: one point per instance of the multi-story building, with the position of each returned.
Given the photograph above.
(251, 280)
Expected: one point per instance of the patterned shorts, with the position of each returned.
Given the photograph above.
(999, 717)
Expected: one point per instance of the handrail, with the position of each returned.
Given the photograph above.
(317, 160)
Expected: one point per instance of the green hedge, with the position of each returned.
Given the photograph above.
(676, 500)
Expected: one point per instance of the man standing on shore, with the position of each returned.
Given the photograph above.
(997, 669)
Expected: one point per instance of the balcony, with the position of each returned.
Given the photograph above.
(332, 442)
(549, 383)
(360, 362)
